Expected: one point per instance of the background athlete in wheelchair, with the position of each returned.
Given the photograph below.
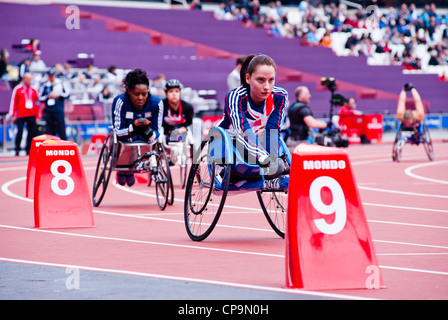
(177, 118)
(411, 128)
(244, 153)
(131, 145)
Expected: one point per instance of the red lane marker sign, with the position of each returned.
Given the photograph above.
(328, 242)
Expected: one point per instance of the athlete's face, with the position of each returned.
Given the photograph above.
(173, 96)
(261, 82)
(138, 95)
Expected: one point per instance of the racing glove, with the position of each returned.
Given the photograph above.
(142, 127)
(273, 167)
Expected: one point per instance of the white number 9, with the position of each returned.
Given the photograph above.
(336, 207)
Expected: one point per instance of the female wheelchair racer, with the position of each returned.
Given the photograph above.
(244, 153)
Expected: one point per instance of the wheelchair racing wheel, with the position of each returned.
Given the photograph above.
(274, 205)
(104, 168)
(397, 147)
(206, 191)
(427, 143)
(163, 182)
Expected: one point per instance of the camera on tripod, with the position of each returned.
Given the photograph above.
(330, 83)
(331, 137)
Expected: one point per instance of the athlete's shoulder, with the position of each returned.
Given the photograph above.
(235, 96)
(120, 99)
(153, 100)
(237, 92)
(279, 91)
(186, 105)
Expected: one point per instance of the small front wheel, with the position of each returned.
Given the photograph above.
(274, 206)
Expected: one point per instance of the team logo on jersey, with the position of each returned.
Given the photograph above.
(258, 120)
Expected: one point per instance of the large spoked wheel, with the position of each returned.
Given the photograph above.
(205, 193)
(166, 168)
(274, 204)
(397, 147)
(104, 169)
(163, 181)
(427, 142)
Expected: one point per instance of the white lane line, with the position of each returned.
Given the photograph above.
(409, 172)
(70, 234)
(194, 280)
(403, 192)
(403, 207)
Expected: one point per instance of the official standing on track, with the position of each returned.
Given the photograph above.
(53, 93)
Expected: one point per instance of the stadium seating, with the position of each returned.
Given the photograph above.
(202, 52)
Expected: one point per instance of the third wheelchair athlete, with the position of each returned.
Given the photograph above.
(253, 114)
(177, 117)
(136, 116)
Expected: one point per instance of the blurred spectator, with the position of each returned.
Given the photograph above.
(90, 70)
(59, 69)
(53, 93)
(24, 67)
(68, 71)
(233, 79)
(104, 95)
(196, 5)
(349, 108)
(24, 109)
(37, 64)
(4, 56)
(303, 5)
(32, 46)
(326, 40)
(157, 86)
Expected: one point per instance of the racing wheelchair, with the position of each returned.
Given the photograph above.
(138, 157)
(218, 169)
(183, 149)
(413, 136)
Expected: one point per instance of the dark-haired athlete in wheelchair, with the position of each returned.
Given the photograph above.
(253, 115)
(136, 116)
(411, 128)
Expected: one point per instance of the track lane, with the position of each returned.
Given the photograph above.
(243, 241)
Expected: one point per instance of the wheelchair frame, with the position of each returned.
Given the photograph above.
(186, 153)
(109, 160)
(209, 183)
(404, 136)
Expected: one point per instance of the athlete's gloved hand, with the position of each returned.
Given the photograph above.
(272, 166)
(141, 127)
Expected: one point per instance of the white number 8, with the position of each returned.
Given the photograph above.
(336, 207)
(62, 176)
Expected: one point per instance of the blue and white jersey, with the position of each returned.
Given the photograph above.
(257, 127)
(123, 114)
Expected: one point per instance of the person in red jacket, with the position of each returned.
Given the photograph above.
(24, 109)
